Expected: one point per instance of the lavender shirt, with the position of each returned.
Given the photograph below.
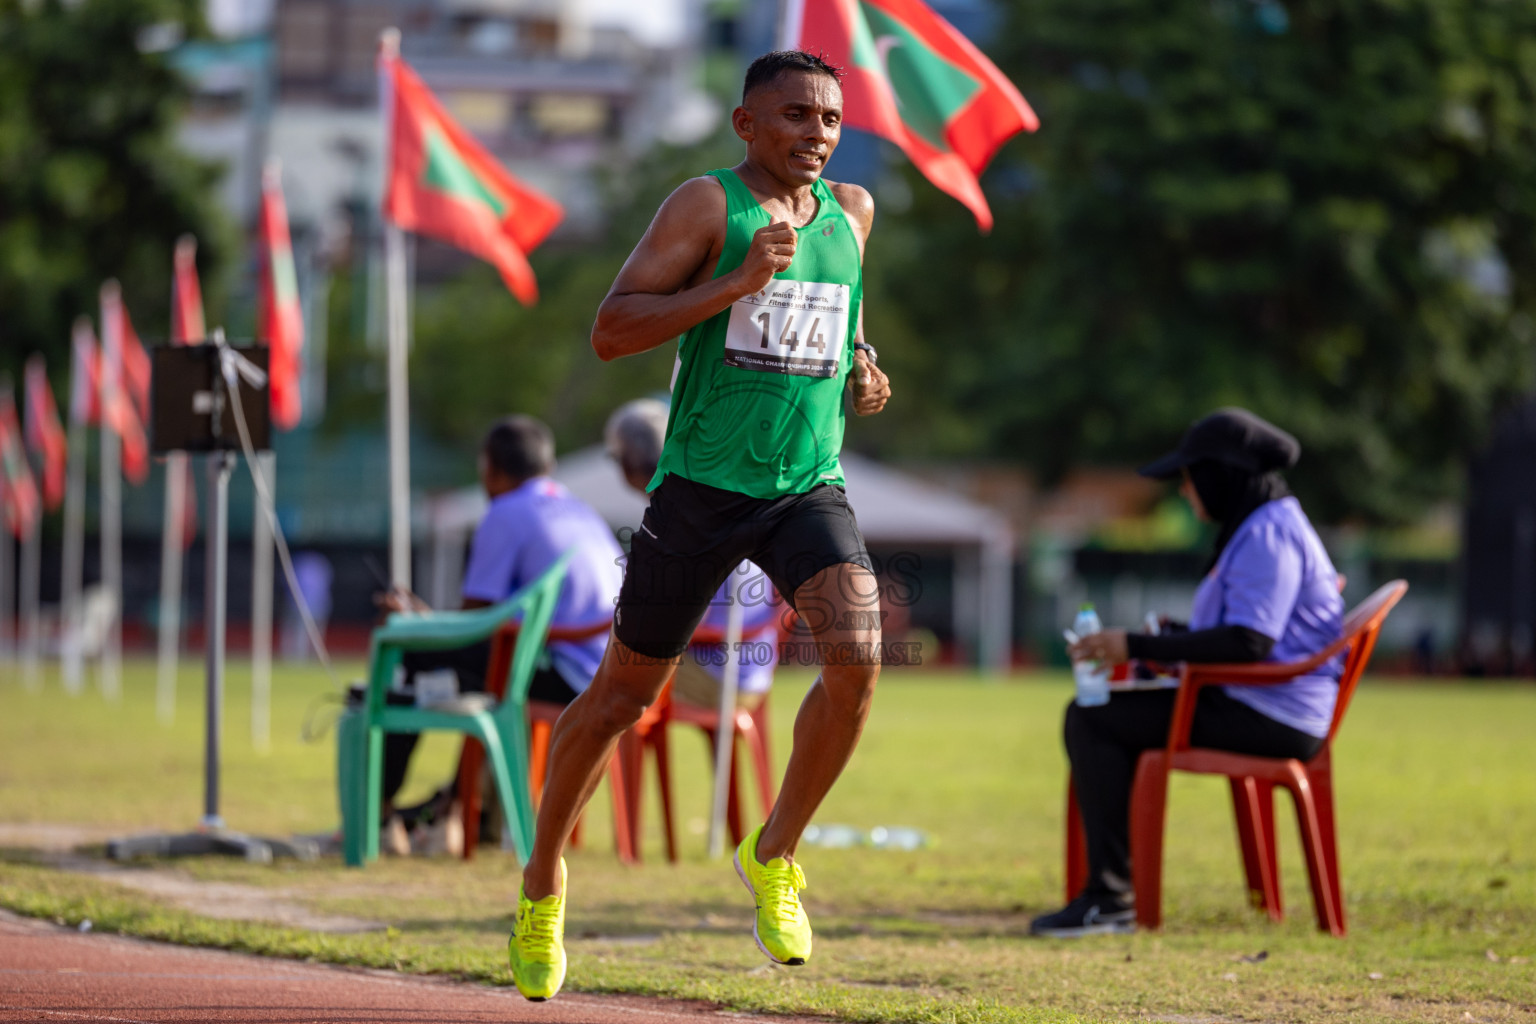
(522, 534)
(759, 651)
(1274, 577)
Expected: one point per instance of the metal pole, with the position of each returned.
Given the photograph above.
(7, 582)
(31, 611)
(261, 606)
(217, 567)
(397, 327)
(70, 649)
(725, 735)
(172, 548)
(111, 490)
(399, 410)
(791, 14)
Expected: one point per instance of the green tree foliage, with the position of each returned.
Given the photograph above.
(1324, 210)
(92, 184)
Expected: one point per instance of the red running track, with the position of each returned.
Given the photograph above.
(58, 975)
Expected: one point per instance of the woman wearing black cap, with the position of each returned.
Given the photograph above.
(1270, 594)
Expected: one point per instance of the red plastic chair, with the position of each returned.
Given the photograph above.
(1252, 779)
(751, 731)
(541, 714)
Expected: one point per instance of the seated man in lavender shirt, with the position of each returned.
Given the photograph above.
(1270, 594)
(531, 521)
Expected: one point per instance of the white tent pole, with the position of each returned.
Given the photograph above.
(31, 611)
(172, 548)
(71, 652)
(261, 606)
(111, 491)
(725, 735)
(397, 326)
(996, 606)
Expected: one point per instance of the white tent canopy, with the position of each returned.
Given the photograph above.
(892, 508)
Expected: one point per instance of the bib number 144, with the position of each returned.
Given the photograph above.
(789, 338)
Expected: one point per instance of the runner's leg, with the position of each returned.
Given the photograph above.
(581, 746)
(841, 605)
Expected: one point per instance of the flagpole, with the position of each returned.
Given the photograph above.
(397, 328)
(7, 579)
(791, 16)
(725, 734)
(172, 549)
(31, 613)
(111, 490)
(261, 606)
(71, 653)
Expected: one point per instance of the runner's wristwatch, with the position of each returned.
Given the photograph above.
(867, 349)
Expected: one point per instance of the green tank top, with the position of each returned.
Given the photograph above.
(757, 391)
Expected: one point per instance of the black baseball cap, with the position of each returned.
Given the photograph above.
(1235, 437)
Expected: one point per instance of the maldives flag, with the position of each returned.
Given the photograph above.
(280, 318)
(18, 492)
(912, 79)
(44, 432)
(187, 327)
(85, 376)
(443, 183)
(186, 294)
(119, 393)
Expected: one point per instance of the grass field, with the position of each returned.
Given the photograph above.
(1437, 804)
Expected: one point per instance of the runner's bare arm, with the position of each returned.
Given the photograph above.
(871, 387)
(654, 298)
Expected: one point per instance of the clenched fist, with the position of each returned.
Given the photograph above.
(772, 251)
(871, 387)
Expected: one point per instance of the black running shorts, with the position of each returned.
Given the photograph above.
(693, 535)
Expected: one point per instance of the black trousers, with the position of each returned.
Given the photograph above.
(470, 665)
(1104, 742)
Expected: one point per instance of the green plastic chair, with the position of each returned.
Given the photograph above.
(499, 727)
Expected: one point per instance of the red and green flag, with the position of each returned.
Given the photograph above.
(85, 376)
(443, 183)
(186, 294)
(187, 327)
(124, 380)
(911, 78)
(18, 491)
(44, 433)
(280, 318)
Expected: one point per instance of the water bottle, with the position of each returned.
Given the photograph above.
(897, 837)
(1092, 678)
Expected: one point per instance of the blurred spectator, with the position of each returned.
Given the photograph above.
(312, 572)
(633, 437)
(1270, 594)
(531, 521)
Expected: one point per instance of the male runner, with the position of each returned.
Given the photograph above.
(759, 269)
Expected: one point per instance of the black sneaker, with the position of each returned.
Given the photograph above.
(1089, 914)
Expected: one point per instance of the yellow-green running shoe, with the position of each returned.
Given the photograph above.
(536, 949)
(781, 929)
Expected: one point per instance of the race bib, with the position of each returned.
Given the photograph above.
(795, 327)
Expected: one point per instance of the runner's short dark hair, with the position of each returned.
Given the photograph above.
(766, 69)
(521, 447)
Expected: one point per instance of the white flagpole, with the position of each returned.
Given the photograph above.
(111, 491)
(31, 612)
(172, 550)
(7, 580)
(725, 735)
(70, 650)
(791, 17)
(261, 606)
(398, 327)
